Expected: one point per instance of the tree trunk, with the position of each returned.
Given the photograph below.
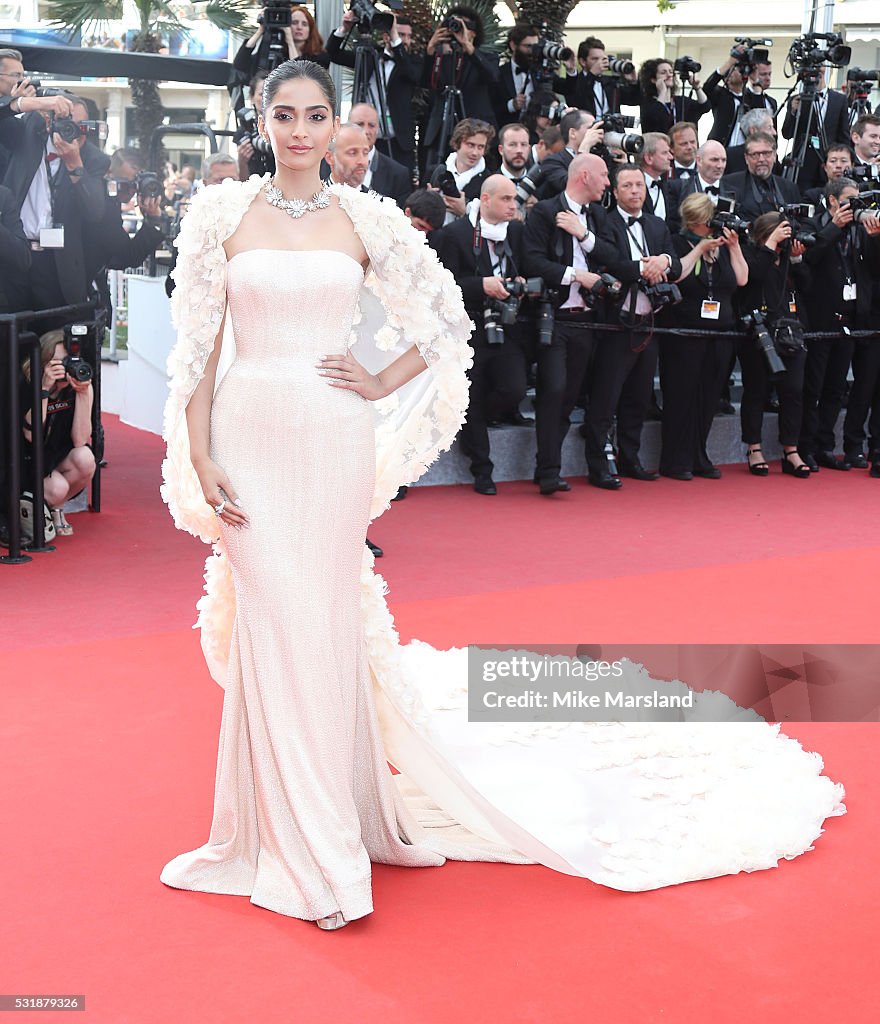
(148, 109)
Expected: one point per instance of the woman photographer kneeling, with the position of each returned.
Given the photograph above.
(777, 282)
(693, 370)
(68, 462)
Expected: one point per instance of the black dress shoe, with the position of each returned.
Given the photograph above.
(401, 494)
(377, 551)
(828, 460)
(810, 460)
(857, 460)
(485, 485)
(875, 470)
(636, 472)
(678, 474)
(552, 486)
(606, 481)
(708, 473)
(725, 407)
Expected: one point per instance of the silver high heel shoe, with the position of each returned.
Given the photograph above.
(331, 923)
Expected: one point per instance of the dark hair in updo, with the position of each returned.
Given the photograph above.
(293, 70)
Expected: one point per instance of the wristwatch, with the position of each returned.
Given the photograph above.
(77, 172)
(44, 393)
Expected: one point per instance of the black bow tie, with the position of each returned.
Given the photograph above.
(713, 189)
(655, 183)
(387, 56)
(633, 220)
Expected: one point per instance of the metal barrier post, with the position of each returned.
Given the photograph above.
(13, 481)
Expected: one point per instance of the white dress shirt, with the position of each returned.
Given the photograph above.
(36, 211)
(638, 249)
(579, 258)
(655, 194)
(522, 83)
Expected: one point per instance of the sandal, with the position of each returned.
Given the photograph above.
(802, 471)
(62, 527)
(331, 923)
(761, 467)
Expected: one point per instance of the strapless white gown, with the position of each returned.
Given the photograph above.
(304, 800)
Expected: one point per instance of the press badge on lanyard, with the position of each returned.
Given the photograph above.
(711, 309)
(849, 291)
(52, 238)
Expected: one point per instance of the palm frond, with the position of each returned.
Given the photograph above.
(75, 15)
(229, 15)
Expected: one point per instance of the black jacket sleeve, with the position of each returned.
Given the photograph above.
(15, 251)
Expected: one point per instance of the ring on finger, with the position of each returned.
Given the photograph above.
(218, 509)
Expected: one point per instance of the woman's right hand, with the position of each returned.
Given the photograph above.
(53, 371)
(216, 488)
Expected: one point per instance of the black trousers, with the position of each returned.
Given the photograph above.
(828, 363)
(864, 399)
(756, 388)
(562, 366)
(498, 385)
(693, 373)
(621, 382)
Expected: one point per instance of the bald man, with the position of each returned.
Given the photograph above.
(384, 175)
(711, 163)
(563, 246)
(498, 376)
(349, 156)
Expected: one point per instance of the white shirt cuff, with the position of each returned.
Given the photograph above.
(568, 276)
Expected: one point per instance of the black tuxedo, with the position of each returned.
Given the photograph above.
(402, 82)
(750, 203)
(15, 254)
(656, 117)
(725, 107)
(678, 191)
(390, 178)
(622, 377)
(664, 187)
(57, 276)
(836, 128)
(579, 92)
(554, 173)
(562, 365)
(498, 376)
(506, 90)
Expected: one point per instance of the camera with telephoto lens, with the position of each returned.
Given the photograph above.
(247, 119)
(371, 19)
(528, 185)
(864, 205)
(664, 293)
(721, 220)
(606, 287)
(620, 66)
(617, 137)
(866, 176)
(756, 325)
(860, 75)
(547, 50)
(443, 179)
(146, 185)
(501, 313)
(686, 66)
(755, 53)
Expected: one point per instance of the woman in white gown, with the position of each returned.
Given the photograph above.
(280, 462)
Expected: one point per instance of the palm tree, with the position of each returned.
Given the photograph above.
(156, 17)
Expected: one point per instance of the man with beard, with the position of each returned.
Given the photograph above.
(516, 84)
(758, 190)
(350, 156)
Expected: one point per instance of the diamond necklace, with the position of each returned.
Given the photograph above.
(297, 207)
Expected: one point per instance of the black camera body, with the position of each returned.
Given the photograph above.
(247, 120)
(443, 179)
(663, 293)
(866, 176)
(685, 66)
(756, 52)
(721, 220)
(69, 130)
(606, 287)
(859, 75)
(865, 204)
(146, 185)
(276, 14)
(77, 368)
(370, 19)
(807, 56)
(501, 313)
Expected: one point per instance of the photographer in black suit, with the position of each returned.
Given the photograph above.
(564, 247)
(758, 190)
(753, 122)
(830, 123)
(59, 189)
(846, 260)
(595, 90)
(516, 77)
(402, 73)
(710, 163)
(15, 254)
(731, 96)
(654, 161)
(622, 375)
(580, 133)
(838, 162)
(481, 251)
(384, 175)
(455, 60)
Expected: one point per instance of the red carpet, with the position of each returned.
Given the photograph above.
(108, 745)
